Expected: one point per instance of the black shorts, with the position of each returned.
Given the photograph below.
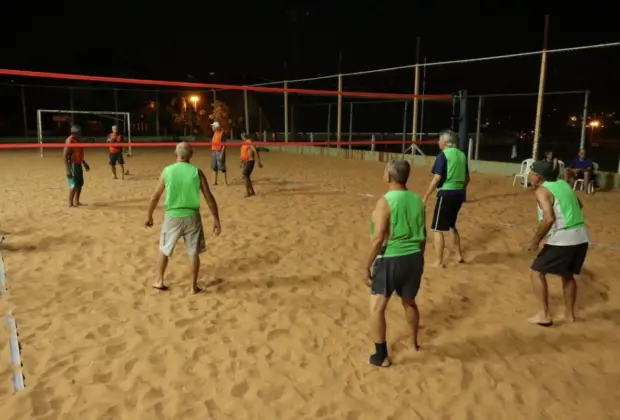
(447, 211)
(560, 260)
(116, 158)
(248, 168)
(398, 274)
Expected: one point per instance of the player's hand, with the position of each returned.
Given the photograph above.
(86, 167)
(367, 278)
(149, 222)
(533, 246)
(69, 175)
(217, 228)
(260, 165)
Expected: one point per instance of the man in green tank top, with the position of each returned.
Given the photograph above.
(450, 179)
(395, 262)
(562, 222)
(183, 183)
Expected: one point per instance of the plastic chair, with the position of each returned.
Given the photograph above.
(523, 172)
(579, 182)
(561, 167)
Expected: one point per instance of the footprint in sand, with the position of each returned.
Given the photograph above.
(239, 390)
(275, 334)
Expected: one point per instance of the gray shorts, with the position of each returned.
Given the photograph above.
(217, 163)
(189, 228)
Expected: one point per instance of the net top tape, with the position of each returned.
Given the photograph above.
(122, 80)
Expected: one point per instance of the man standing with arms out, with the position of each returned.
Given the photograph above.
(249, 155)
(450, 179)
(218, 152)
(580, 168)
(116, 152)
(183, 184)
(73, 158)
(561, 219)
(395, 262)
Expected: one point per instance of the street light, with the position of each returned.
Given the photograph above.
(194, 99)
(593, 125)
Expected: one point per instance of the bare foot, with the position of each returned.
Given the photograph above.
(460, 260)
(416, 347)
(195, 289)
(437, 264)
(542, 320)
(81, 205)
(160, 286)
(567, 318)
(71, 205)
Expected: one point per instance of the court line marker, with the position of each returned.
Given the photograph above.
(15, 353)
(2, 275)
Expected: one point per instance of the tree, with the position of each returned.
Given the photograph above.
(221, 114)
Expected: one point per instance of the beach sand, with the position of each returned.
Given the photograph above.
(281, 331)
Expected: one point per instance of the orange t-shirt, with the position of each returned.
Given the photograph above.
(216, 142)
(78, 152)
(117, 138)
(245, 150)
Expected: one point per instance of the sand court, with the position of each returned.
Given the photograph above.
(281, 330)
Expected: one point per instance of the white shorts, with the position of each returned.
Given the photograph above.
(189, 228)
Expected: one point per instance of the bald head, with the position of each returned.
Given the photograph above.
(184, 151)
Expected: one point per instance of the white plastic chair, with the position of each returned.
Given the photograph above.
(579, 182)
(524, 171)
(561, 167)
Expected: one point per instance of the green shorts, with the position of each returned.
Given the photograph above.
(77, 176)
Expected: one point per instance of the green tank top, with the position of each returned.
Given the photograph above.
(566, 204)
(456, 176)
(182, 190)
(407, 223)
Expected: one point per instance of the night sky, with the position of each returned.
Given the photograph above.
(256, 45)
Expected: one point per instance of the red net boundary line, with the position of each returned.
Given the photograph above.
(122, 80)
(11, 146)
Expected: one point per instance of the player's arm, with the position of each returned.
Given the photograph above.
(206, 192)
(381, 220)
(224, 140)
(156, 196)
(66, 157)
(467, 177)
(545, 201)
(437, 170)
(255, 151)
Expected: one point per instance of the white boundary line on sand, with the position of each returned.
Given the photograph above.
(15, 353)
(2, 274)
(14, 346)
(504, 224)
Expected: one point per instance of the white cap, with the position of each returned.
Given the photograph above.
(215, 125)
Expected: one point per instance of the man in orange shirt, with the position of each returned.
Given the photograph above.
(116, 152)
(249, 155)
(73, 158)
(218, 152)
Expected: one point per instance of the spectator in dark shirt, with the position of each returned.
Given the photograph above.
(551, 158)
(580, 168)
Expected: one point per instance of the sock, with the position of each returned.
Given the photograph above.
(380, 355)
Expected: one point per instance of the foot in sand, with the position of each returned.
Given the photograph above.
(567, 318)
(542, 320)
(160, 285)
(195, 289)
(437, 264)
(380, 361)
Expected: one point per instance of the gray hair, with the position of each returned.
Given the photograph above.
(399, 169)
(184, 150)
(449, 137)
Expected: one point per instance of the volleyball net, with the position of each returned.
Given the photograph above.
(369, 110)
(191, 110)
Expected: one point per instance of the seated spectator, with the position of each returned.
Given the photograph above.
(549, 157)
(580, 168)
